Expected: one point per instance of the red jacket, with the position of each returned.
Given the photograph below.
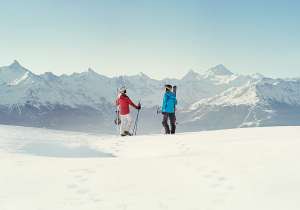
(123, 102)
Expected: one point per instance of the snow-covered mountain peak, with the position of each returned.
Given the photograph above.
(280, 91)
(134, 78)
(16, 67)
(15, 64)
(191, 75)
(13, 72)
(219, 70)
(265, 91)
(143, 75)
(89, 73)
(200, 95)
(92, 74)
(258, 76)
(90, 70)
(49, 76)
(244, 95)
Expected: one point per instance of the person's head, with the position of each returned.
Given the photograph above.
(168, 87)
(122, 90)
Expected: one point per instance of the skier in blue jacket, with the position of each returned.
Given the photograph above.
(168, 110)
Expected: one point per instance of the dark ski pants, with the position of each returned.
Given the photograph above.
(172, 118)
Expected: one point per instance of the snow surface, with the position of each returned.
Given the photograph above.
(248, 169)
(19, 80)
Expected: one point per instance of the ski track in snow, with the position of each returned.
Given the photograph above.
(217, 170)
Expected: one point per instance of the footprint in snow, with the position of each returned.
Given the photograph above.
(183, 147)
(82, 191)
(217, 181)
(83, 170)
(83, 180)
(96, 200)
(221, 179)
(72, 186)
(122, 206)
(161, 205)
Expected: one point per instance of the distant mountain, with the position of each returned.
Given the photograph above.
(214, 99)
(261, 102)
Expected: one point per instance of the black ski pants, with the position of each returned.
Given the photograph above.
(172, 118)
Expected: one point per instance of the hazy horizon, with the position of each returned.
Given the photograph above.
(118, 75)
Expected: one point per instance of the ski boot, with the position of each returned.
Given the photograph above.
(127, 133)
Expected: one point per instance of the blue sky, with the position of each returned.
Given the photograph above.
(161, 38)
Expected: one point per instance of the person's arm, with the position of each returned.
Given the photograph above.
(133, 104)
(164, 105)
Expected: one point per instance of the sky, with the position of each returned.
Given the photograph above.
(162, 38)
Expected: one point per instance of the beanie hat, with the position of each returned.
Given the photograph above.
(168, 87)
(122, 90)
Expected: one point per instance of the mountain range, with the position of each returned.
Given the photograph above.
(214, 99)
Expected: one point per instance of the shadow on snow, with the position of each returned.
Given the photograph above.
(62, 151)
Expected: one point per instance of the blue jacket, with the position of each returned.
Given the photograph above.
(169, 102)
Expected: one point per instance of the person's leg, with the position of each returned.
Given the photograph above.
(165, 123)
(128, 125)
(173, 122)
(123, 124)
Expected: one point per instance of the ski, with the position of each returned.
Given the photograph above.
(175, 92)
(117, 118)
(175, 89)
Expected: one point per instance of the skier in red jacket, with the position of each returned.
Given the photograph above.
(123, 102)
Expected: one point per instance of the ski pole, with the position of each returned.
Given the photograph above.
(117, 120)
(136, 121)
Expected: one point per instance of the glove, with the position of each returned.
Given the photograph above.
(139, 106)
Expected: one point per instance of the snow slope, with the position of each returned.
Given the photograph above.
(262, 91)
(249, 169)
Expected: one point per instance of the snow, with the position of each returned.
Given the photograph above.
(220, 70)
(19, 85)
(200, 97)
(246, 95)
(282, 91)
(261, 91)
(218, 85)
(191, 75)
(90, 88)
(247, 169)
(19, 80)
(11, 73)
